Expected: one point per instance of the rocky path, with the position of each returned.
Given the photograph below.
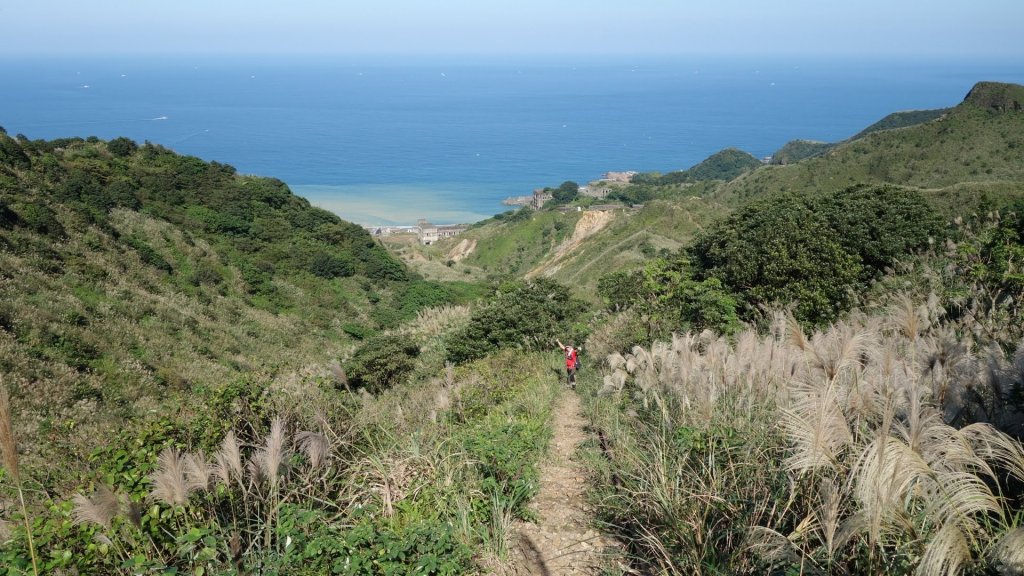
(563, 540)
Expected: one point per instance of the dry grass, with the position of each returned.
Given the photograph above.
(879, 475)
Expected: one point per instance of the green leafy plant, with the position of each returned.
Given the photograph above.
(381, 362)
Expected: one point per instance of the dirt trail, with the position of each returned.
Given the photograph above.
(563, 541)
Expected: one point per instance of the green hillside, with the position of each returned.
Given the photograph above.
(797, 150)
(138, 280)
(207, 375)
(722, 165)
(979, 144)
(965, 159)
(201, 373)
(902, 120)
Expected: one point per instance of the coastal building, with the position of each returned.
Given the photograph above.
(384, 231)
(540, 196)
(430, 233)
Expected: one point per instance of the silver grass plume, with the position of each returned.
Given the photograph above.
(170, 485)
(315, 446)
(229, 460)
(100, 508)
(817, 427)
(1008, 553)
(772, 546)
(907, 318)
(271, 456)
(945, 554)
(828, 515)
(197, 471)
(797, 338)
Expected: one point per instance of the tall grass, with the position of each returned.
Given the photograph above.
(429, 474)
(831, 452)
(9, 451)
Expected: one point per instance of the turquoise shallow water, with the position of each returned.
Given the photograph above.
(402, 204)
(391, 140)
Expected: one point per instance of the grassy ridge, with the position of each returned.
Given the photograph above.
(970, 145)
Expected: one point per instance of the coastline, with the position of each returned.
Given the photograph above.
(404, 204)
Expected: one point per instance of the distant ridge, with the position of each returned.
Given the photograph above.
(996, 96)
(797, 150)
(724, 165)
(903, 119)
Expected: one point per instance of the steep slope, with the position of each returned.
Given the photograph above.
(134, 281)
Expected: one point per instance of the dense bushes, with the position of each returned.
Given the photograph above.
(381, 362)
(670, 300)
(420, 480)
(240, 216)
(816, 253)
(522, 314)
(879, 224)
(779, 250)
(723, 165)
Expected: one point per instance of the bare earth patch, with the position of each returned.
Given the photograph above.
(563, 541)
(463, 249)
(590, 223)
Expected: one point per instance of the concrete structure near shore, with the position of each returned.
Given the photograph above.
(540, 196)
(430, 233)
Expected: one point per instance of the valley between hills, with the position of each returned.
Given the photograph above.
(806, 366)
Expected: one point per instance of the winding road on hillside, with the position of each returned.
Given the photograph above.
(563, 541)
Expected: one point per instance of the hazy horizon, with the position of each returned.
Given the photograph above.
(742, 28)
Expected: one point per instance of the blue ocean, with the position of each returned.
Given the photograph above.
(390, 140)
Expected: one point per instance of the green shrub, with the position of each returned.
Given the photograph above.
(368, 549)
(327, 265)
(148, 255)
(122, 147)
(12, 154)
(566, 192)
(420, 294)
(779, 251)
(879, 224)
(40, 219)
(8, 218)
(525, 314)
(381, 362)
(664, 293)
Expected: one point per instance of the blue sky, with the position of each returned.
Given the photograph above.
(866, 27)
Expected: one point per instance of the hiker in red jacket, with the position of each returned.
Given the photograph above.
(572, 361)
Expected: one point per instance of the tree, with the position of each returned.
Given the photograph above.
(381, 363)
(670, 300)
(122, 147)
(566, 192)
(523, 314)
(879, 224)
(779, 251)
(327, 265)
